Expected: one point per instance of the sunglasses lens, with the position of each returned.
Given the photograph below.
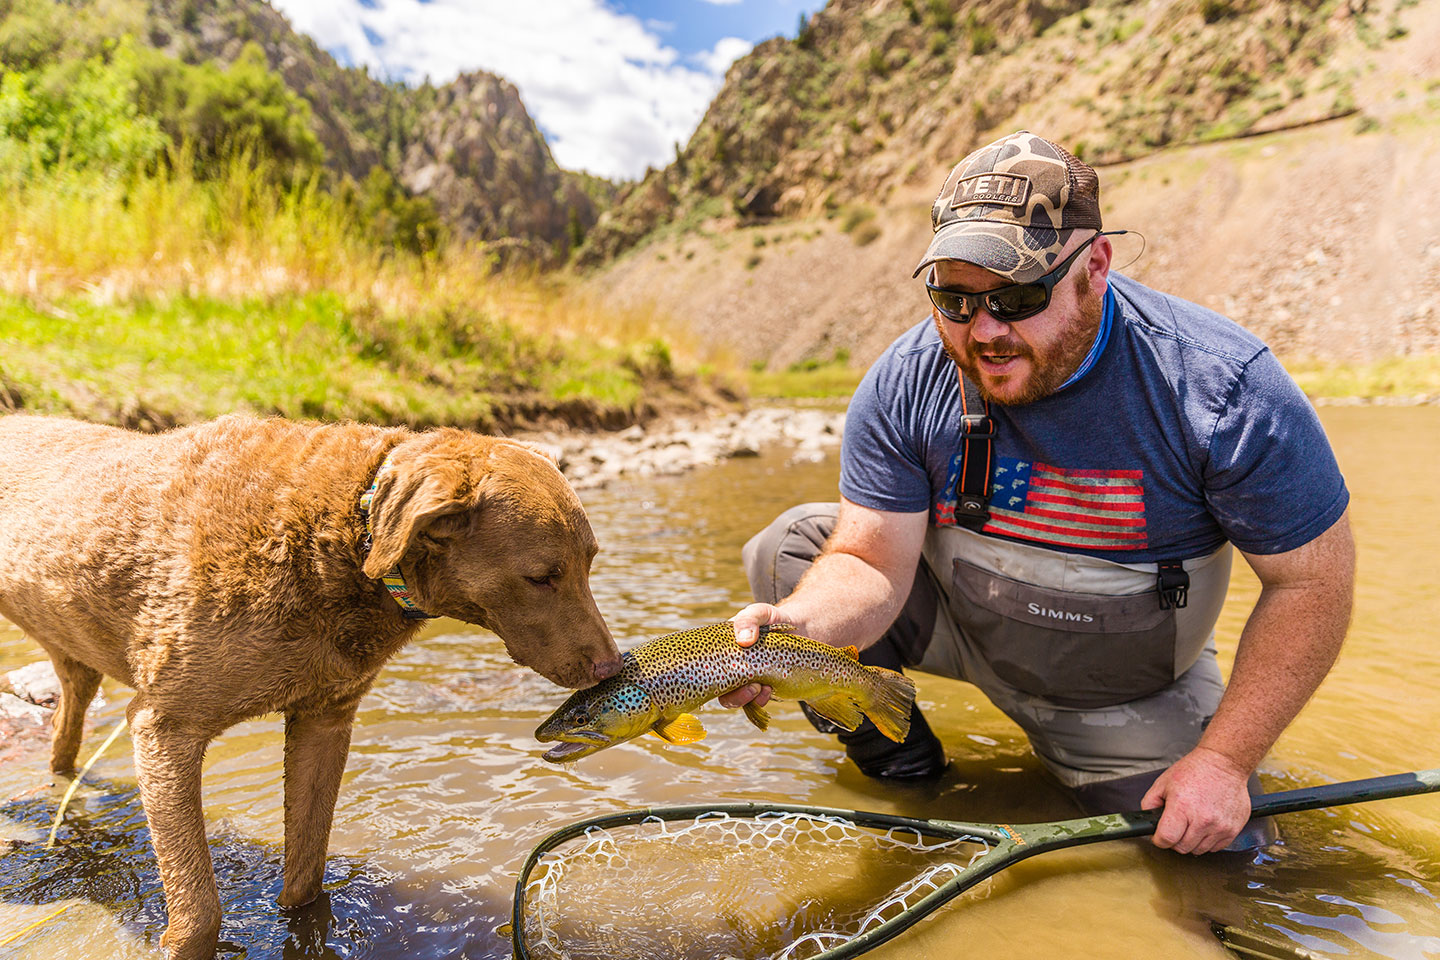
(949, 304)
(1018, 302)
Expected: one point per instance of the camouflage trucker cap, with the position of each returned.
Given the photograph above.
(1010, 207)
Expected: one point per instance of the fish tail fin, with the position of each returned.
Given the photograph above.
(890, 700)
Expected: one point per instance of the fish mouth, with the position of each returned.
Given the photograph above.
(545, 734)
(573, 744)
(572, 750)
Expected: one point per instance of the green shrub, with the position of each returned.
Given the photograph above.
(80, 113)
(805, 34)
(982, 39)
(854, 216)
(865, 233)
(1212, 11)
(390, 215)
(981, 35)
(246, 106)
(941, 15)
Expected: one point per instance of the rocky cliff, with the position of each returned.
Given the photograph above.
(469, 145)
(1322, 237)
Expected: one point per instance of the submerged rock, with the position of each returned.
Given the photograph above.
(36, 683)
(12, 708)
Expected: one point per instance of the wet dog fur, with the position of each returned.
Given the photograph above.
(221, 571)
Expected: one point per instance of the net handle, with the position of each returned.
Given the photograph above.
(1009, 844)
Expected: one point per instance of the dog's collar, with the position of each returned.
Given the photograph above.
(394, 581)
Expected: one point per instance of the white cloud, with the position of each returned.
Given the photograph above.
(725, 52)
(611, 97)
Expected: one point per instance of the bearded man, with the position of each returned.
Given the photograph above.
(1055, 524)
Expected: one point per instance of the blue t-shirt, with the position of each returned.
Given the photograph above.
(1185, 433)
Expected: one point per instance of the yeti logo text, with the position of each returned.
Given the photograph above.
(1038, 611)
(1007, 188)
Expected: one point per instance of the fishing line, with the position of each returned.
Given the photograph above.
(75, 783)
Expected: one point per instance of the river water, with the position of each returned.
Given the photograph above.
(445, 791)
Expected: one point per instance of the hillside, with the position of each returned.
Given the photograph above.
(873, 95)
(1324, 238)
(186, 236)
(469, 148)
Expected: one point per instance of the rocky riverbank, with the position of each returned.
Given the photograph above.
(592, 460)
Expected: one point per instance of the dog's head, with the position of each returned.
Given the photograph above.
(488, 531)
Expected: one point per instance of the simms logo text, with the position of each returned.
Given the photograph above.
(1038, 611)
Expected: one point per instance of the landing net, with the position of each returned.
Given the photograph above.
(780, 886)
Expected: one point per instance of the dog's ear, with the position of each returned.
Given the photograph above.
(411, 496)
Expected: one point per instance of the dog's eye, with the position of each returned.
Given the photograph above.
(546, 581)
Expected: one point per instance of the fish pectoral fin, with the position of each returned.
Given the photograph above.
(682, 729)
(757, 715)
(840, 709)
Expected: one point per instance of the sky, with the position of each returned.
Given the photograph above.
(612, 84)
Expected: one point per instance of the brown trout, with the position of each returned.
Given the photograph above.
(663, 679)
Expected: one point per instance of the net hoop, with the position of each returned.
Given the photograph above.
(885, 920)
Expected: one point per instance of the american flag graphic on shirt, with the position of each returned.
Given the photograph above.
(1093, 509)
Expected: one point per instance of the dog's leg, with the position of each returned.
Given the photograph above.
(78, 684)
(167, 764)
(315, 749)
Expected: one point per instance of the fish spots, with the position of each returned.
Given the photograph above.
(665, 678)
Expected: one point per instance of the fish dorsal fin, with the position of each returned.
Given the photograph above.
(778, 628)
(852, 652)
(682, 729)
(757, 715)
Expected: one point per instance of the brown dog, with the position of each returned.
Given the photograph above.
(222, 571)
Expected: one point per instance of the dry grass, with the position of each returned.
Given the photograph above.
(193, 297)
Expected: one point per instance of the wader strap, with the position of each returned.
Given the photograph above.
(1173, 584)
(977, 441)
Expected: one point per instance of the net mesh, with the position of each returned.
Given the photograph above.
(777, 886)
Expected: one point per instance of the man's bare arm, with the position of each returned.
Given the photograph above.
(1289, 643)
(854, 590)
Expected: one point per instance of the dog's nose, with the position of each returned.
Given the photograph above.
(606, 668)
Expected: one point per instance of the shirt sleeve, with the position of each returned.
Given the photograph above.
(1272, 481)
(880, 465)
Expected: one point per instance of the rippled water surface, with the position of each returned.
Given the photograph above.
(445, 792)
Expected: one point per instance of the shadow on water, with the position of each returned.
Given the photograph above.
(1300, 891)
(103, 856)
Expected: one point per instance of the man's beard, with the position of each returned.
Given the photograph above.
(1046, 373)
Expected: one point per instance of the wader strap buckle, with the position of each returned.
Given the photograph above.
(977, 435)
(1173, 585)
(977, 426)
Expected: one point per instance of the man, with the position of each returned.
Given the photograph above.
(1055, 526)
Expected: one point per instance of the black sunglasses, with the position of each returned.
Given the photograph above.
(1006, 304)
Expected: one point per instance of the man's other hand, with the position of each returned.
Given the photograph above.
(1206, 800)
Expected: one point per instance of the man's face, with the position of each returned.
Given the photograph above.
(1021, 362)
